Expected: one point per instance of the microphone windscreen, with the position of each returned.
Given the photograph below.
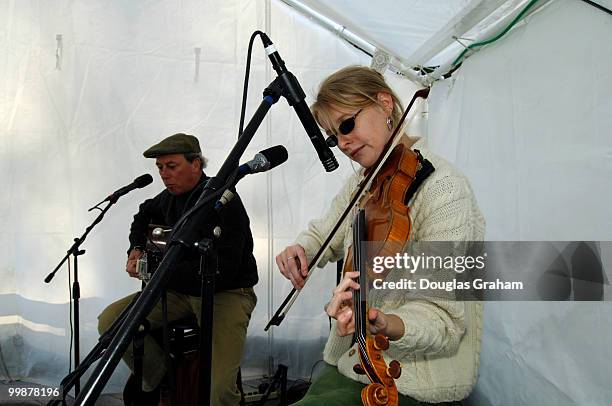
(275, 155)
(143, 180)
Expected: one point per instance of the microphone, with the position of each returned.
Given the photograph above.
(295, 96)
(138, 183)
(263, 161)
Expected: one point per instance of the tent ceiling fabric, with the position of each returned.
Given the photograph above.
(420, 33)
(399, 26)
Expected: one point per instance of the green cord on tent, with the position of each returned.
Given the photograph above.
(498, 36)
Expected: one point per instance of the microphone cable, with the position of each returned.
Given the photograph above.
(246, 80)
(70, 318)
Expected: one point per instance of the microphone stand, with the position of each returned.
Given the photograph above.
(186, 233)
(72, 378)
(207, 294)
(76, 288)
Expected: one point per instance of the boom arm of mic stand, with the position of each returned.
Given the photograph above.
(188, 229)
(78, 241)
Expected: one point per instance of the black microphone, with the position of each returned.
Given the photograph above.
(295, 96)
(138, 183)
(263, 161)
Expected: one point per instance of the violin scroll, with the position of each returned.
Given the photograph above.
(375, 394)
(382, 390)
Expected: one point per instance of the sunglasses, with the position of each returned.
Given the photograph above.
(346, 126)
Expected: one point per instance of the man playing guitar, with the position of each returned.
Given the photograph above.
(181, 164)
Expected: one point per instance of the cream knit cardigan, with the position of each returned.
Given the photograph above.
(439, 351)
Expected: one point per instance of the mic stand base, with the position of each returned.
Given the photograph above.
(72, 378)
(279, 379)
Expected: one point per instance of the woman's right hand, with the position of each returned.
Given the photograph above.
(293, 264)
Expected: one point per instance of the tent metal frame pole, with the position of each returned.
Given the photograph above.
(474, 13)
(355, 40)
(470, 16)
(488, 33)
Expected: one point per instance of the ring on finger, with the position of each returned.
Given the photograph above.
(288, 258)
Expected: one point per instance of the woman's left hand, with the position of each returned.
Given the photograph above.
(378, 321)
(341, 305)
(341, 309)
(389, 325)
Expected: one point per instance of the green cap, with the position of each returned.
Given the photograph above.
(175, 144)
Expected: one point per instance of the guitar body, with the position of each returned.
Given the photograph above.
(155, 249)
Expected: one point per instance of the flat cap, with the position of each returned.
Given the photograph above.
(175, 144)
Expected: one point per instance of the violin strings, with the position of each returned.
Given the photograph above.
(361, 319)
(360, 322)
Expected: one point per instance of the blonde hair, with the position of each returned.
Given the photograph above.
(353, 87)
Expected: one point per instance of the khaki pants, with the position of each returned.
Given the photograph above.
(232, 312)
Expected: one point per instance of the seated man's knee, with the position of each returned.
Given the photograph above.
(108, 316)
(104, 321)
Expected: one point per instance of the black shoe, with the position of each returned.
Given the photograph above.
(129, 391)
(149, 398)
(134, 397)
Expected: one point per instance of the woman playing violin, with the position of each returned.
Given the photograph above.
(437, 341)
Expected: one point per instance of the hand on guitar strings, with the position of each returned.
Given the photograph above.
(130, 266)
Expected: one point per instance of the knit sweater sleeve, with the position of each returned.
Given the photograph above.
(443, 211)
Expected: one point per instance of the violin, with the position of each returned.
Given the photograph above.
(382, 226)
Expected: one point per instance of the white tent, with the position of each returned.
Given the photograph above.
(88, 85)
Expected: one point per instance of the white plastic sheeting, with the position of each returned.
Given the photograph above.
(400, 26)
(528, 120)
(525, 119)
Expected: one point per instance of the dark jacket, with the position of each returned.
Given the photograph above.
(236, 263)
